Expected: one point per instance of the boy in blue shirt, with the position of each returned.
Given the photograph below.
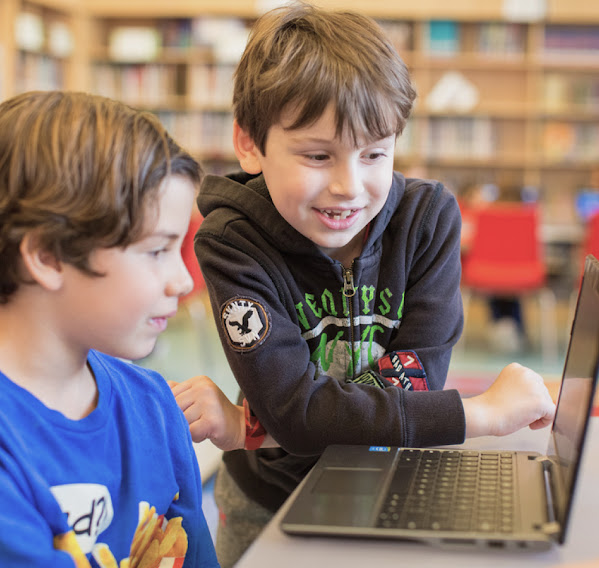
(334, 281)
(97, 466)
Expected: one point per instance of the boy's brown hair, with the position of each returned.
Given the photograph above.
(301, 57)
(79, 171)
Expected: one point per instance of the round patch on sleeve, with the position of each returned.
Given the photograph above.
(246, 323)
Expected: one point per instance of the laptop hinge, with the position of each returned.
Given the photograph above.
(552, 527)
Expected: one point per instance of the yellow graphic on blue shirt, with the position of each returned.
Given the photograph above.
(157, 543)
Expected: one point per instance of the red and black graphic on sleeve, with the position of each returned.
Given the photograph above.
(403, 369)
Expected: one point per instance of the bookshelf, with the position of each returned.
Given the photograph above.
(38, 45)
(179, 68)
(507, 94)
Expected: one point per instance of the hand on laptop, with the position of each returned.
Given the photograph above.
(516, 399)
(210, 414)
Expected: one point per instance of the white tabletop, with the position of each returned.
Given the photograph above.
(275, 548)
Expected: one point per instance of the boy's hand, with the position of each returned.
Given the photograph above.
(210, 414)
(516, 399)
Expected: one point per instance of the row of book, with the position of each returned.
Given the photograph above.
(38, 72)
(445, 37)
(563, 93)
(567, 142)
(506, 39)
(227, 36)
(467, 138)
(210, 85)
(149, 84)
(570, 41)
(205, 134)
(561, 142)
(439, 37)
(145, 85)
(460, 138)
(224, 38)
(201, 31)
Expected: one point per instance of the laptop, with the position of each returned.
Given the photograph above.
(449, 497)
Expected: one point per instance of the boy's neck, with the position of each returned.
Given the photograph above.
(32, 356)
(352, 250)
(75, 398)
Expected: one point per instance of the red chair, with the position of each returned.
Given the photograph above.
(189, 256)
(195, 302)
(591, 239)
(505, 258)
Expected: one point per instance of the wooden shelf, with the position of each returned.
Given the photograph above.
(175, 9)
(463, 10)
(573, 11)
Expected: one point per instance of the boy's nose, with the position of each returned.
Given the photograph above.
(181, 282)
(346, 182)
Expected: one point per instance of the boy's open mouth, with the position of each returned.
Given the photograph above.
(337, 215)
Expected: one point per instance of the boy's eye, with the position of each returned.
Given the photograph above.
(317, 157)
(158, 252)
(375, 155)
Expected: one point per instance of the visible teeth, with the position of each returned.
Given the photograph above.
(338, 215)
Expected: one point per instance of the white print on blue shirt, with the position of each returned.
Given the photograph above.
(89, 510)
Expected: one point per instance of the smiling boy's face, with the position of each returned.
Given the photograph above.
(324, 186)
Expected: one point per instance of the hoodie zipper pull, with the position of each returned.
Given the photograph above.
(349, 289)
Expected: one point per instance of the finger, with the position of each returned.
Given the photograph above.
(187, 394)
(199, 432)
(540, 423)
(196, 411)
(177, 387)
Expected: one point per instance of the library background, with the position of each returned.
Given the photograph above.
(507, 112)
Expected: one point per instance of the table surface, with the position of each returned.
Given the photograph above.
(275, 548)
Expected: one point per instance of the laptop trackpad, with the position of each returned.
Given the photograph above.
(348, 481)
(343, 497)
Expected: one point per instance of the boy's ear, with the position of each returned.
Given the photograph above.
(43, 267)
(246, 150)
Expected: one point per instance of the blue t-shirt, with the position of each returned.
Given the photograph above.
(124, 470)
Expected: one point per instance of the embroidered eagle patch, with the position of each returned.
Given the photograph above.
(246, 323)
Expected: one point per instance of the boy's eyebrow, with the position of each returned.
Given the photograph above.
(163, 234)
(321, 140)
(311, 139)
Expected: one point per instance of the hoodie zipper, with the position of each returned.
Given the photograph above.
(349, 291)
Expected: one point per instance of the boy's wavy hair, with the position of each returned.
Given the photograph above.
(81, 172)
(301, 57)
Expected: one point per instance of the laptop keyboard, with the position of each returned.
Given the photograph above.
(449, 490)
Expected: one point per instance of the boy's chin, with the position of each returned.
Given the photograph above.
(136, 353)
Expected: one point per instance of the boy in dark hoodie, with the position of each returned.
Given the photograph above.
(334, 281)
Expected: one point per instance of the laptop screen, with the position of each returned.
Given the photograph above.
(577, 392)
